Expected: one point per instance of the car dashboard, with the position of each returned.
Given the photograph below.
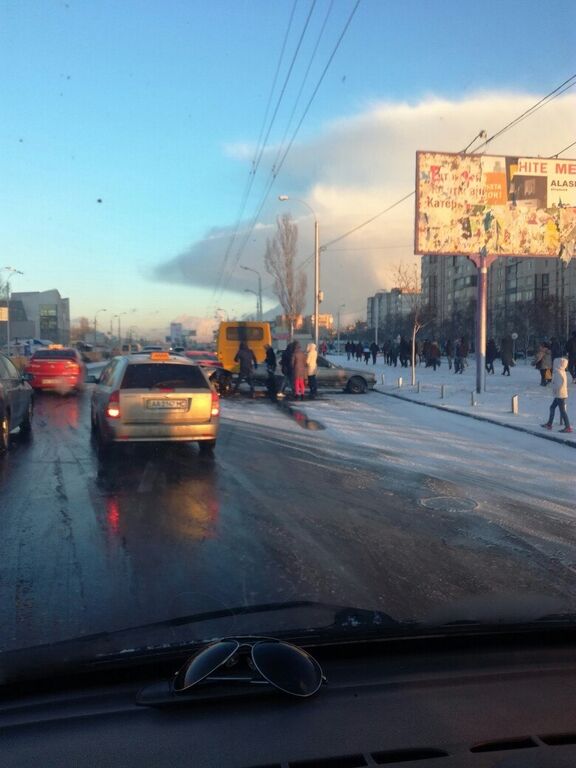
(469, 705)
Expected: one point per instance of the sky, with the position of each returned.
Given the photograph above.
(144, 144)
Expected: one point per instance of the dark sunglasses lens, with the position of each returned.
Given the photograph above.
(288, 668)
(204, 663)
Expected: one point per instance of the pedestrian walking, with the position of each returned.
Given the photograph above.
(374, 349)
(299, 371)
(555, 349)
(286, 368)
(271, 385)
(434, 354)
(449, 351)
(491, 355)
(506, 354)
(247, 360)
(312, 369)
(458, 361)
(366, 353)
(543, 362)
(560, 392)
(349, 347)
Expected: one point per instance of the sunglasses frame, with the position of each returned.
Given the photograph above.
(250, 642)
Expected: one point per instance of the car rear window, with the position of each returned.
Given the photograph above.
(55, 354)
(150, 375)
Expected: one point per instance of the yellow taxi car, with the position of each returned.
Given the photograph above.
(154, 397)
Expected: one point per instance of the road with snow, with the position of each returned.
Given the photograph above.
(365, 501)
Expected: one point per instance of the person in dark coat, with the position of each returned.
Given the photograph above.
(247, 360)
(491, 355)
(555, 349)
(286, 367)
(271, 385)
(374, 349)
(434, 354)
(349, 347)
(506, 354)
(359, 351)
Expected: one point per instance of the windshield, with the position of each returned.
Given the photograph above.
(364, 213)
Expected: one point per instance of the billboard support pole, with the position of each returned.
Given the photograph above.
(482, 262)
(481, 311)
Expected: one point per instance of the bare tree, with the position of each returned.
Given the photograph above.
(407, 279)
(280, 259)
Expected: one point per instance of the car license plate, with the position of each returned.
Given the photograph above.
(49, 382)
(167, 405)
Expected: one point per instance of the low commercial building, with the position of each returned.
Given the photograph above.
(40, 314)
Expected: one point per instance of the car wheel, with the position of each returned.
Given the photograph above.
(26, 425)
(4, 432)
(356, 385)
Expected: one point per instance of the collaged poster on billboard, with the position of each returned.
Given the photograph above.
(509, 206)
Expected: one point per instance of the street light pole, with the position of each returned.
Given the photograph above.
(12, 271)
(283, 199)
(338, 329)
(259, 294)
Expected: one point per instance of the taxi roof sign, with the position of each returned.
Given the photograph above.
(159, 355)
(55, 346)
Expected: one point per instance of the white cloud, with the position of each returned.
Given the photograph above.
(355, 168)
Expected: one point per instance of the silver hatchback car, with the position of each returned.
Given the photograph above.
(154, 397)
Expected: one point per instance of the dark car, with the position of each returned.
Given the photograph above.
(16, 402)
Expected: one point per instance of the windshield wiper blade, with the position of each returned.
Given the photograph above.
(101, 646)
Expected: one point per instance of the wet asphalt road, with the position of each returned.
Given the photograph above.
(280, 513)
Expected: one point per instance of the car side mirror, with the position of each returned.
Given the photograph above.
(27, 377)
(92, 378)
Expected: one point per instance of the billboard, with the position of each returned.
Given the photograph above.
(509, 206)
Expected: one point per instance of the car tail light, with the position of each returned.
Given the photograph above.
(215, 405)
(113, 406)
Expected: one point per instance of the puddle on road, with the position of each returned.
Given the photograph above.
(299, 417)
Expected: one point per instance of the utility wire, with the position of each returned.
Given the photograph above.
(257, 155)
(222, 281)
(275, 171)
(569, 83)
(566, 85)
(563, 150)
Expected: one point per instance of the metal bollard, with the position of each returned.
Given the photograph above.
(418, 387)
(399, 382)
(383, 379)
(473, 398)
(442, 391)
(515, 405)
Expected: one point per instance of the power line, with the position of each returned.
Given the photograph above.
(563, 150)
(566, 85)
(274, 172)
(257, 155)
(569, 83)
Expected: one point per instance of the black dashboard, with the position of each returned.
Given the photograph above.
(472, 703)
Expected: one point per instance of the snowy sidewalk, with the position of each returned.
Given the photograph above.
(448, 391)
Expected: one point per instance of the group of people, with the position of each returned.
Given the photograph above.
(298, 368)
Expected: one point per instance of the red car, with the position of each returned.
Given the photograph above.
(57, 368)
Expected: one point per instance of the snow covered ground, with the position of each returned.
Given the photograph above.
(445, 389)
